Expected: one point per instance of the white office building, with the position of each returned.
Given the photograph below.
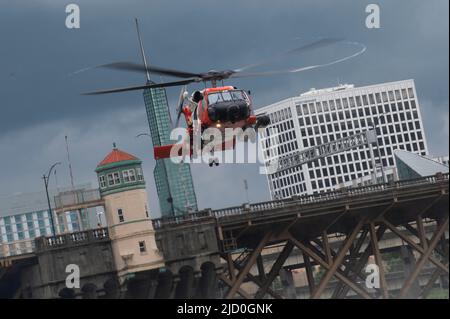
(320, 116)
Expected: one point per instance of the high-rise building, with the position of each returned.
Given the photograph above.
(321, 116)
(173, 181)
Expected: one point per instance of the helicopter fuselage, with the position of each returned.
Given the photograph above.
(223, 107)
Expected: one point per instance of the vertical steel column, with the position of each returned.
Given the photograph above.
(425, 256)
(275, 269)
(421, 231)
(309, 273)
(326, 247)
(378, 260)
(338, 261)
(243, 273)
(261, 271)
(231, 267)
(323, 263)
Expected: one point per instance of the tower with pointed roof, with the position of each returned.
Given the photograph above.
(122, 186)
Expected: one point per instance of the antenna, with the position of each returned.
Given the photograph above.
(70, 164)
(56, 181)
(144, 59)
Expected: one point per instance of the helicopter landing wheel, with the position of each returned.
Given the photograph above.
(213, 161)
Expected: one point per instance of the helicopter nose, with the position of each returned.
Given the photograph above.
(234, 113)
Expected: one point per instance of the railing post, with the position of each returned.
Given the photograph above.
(91, 235)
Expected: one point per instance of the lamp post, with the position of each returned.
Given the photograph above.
(99, 219)
(371, 137)
(143, 134)
(46, 182)
(378, 145)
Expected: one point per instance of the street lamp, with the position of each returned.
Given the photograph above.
(46, 181)
(378, 145)
(99, 219)
(143, 134)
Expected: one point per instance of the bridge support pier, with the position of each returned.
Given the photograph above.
(165, 284)
(288, 283)
(409, 260)
(208, 282)
(185, 288)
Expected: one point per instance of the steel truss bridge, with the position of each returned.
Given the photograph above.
(361, 216)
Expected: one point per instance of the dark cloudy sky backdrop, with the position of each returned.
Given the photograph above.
(40, 103)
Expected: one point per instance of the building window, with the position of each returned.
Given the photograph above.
(142, 248)
(120, 214)
(110, 180)
(140, 177)
(126, 177)
(102, 182)
(113, 179)
(129, 176)
(116, 178)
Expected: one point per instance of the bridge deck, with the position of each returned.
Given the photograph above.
(337, 211)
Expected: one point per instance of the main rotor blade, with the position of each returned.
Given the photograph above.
(141, 87)
(135, 67)
(305, 68)
(311, 46)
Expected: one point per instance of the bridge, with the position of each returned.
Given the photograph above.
(353, 220)
(239, 252)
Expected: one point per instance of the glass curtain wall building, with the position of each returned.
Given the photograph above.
(173, 181)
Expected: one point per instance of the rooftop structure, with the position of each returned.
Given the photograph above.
(410, 165)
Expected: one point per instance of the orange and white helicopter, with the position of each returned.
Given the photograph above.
(220, 107)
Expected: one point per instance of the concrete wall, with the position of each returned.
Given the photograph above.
(47, 278)
(189, 245)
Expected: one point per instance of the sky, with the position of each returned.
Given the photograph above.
(40, 100)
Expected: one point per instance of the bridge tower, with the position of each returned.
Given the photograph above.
(122, 186)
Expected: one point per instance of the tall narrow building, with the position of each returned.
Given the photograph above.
(173, 181)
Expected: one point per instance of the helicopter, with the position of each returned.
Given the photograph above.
(221, 107)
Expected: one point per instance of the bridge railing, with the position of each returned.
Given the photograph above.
(300, 200)
(71, 239)
(18, 247)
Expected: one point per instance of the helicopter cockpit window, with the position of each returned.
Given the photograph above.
(226, 96)
(237, 95)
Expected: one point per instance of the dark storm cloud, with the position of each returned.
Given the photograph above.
(40, 102)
